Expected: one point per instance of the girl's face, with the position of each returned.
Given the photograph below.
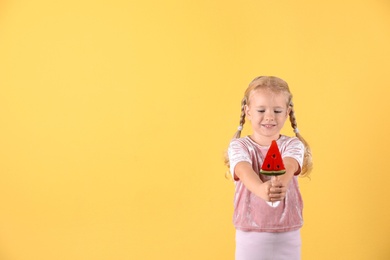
(267, 112)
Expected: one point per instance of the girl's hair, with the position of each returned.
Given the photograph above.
(275, 85)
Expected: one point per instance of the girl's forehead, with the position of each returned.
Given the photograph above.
(268, 95)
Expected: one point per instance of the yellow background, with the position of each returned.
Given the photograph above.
(114, 117)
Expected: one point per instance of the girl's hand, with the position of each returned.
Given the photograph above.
(264, 191)
(272, 190)
(277, 191)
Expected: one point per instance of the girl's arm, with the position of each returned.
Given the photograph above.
(273, 190)
(292, 167)
(251, 180)
(281, 182)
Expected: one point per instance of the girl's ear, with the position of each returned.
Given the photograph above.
(288, 111)
(247, 112)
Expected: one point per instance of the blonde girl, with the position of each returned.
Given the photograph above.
(265, 230)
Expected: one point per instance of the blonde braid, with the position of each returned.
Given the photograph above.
(293, 120)
(242, 119)
(237, 134)
(307, 158)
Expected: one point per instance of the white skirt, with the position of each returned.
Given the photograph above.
(268, 246)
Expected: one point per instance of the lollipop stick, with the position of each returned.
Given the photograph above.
(274, 178)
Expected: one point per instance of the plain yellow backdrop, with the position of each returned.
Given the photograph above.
(115, 115)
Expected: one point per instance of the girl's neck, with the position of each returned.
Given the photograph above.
(263, 140)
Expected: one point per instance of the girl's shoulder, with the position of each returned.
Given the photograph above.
(284, 139)
(242, 144)
(289, 142)
(243, 141)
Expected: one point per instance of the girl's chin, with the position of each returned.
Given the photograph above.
(269, 130)
(269, 134)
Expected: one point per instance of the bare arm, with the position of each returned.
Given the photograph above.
(273, 190)
(280, 183)
(251, 180)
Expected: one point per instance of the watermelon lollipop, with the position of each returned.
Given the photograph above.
(273, 162)
(273, 165)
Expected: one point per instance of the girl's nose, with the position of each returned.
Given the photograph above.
(269, 117)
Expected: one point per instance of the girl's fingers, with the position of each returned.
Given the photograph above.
(276, 183)
(277, 189)
(276, 194)
(276, 197)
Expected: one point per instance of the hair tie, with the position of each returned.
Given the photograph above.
(239, 128)
(296, 130)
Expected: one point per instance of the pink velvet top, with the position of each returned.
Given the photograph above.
(252, 213)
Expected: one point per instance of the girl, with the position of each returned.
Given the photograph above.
(264, 231)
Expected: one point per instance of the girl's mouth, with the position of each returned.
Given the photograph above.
(268, 125)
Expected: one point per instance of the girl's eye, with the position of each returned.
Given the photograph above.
(261, 111)
(278, 111)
